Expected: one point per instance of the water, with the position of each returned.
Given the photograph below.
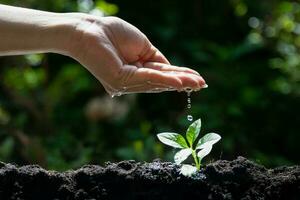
(190, 118)
(189, 105)
(124, 90)
(140, 88)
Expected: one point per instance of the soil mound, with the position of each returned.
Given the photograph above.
(237, 179)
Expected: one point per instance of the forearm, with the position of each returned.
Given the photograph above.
(24, 31)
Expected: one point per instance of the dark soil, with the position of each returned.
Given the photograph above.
(237, 179)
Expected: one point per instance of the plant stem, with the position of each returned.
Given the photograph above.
(196, 159)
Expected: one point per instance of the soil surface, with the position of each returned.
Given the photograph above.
(237, 179)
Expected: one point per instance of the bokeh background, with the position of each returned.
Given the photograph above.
(55, 114)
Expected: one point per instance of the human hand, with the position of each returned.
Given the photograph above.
(115, 52)
(124, 60)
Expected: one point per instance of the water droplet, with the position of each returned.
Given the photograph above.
(205, 86)
(118, 94)
(172, 72)
(190, 117)
(189, 100)
(170, 89)
(188, 90)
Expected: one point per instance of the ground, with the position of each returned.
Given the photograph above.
(237, 179)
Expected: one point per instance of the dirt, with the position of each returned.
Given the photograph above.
(237, 179)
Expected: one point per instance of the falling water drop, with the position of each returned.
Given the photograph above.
(118, 94)
(190, 117)
(189, 106)
(188, 90)
(189, 100)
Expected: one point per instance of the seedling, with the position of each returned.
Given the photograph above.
(190, 146)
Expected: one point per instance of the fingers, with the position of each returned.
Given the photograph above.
(189, 78)
(190, 81)
(147, 79)
(168, 67)
(143, 76)
(155, 60)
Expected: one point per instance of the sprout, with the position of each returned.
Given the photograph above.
(188, 146)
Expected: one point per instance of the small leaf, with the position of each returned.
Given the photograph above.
(182, 155)
(172, 139)
(188, 170)
(193, 132)
(204, 152)
(208, 139)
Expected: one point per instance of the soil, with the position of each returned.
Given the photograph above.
(237, 179)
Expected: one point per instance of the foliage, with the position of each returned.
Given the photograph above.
(189, 146)
(54, 113)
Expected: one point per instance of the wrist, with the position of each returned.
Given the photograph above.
(77, 26)
(62, 34)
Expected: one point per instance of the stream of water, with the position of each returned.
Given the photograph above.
(189, 106)
(155, 90)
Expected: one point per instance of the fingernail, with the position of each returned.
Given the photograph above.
(205, 86)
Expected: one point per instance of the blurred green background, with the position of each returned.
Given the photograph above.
(54, 113)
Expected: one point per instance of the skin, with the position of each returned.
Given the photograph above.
(119, 55)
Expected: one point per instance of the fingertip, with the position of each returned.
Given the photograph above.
(189, 82)
(202, 82)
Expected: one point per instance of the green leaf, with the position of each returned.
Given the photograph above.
(107, 8)
(208, 139)
(182, 155)
(172, 139)
(188, 170)
(204, 152)
(193, 132)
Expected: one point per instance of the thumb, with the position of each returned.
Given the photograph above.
(154, 55)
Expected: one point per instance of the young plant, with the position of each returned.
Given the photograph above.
(190, 146)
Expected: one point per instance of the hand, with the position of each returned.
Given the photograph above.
(115, 52)
(124, 60)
